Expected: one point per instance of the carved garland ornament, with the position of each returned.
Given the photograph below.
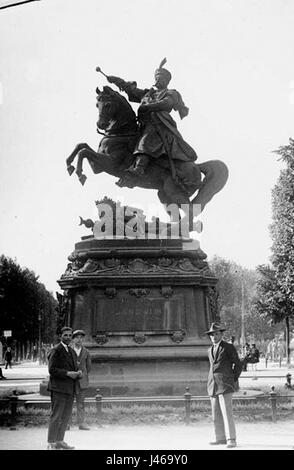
(163, 265)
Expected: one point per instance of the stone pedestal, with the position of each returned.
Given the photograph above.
(144, 305)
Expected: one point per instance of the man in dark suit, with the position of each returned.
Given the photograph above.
(84, 364)
(63, 372)
(225, 369)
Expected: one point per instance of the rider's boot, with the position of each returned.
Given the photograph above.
(140, 165)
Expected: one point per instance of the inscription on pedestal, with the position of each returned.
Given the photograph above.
(139, 314)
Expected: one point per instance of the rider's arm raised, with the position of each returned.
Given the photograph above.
(134, 93)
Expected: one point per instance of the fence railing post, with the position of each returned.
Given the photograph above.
(273, 399)
(187, 397)
(98, 399)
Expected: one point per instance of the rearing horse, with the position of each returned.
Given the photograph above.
(115, 155)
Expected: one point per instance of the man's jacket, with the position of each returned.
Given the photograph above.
(61, 362)
(225, 369)
(84, 364)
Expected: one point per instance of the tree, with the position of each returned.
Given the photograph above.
(276, 285)
(236, 286)
(282, 233)
(23, 298)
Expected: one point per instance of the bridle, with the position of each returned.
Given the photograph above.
(119, 131)
(125, 124)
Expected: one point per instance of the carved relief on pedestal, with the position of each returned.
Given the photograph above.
(139, 338)
(63, 309)
(156, 266)
(211, 296)
(110, 292)
(101, 338)
(178, 336)
(139, 292)
(166, 291)
(138, 265)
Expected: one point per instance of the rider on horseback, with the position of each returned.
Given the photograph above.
(158, 131)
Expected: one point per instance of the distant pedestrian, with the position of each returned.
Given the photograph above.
(246, 356)
(254, 356)
(35, 353)
(63, 372)
(84, 364)
(1, 374)
(225, 369)
(8, 357)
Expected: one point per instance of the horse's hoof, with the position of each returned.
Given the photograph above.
(82, 179)
(70, 169)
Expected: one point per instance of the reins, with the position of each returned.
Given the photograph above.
(120, 135)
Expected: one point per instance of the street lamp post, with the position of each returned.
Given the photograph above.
(243, 334)
(39, 348)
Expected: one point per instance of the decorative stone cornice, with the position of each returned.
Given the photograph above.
(135, 266)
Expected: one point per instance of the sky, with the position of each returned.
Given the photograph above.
(232, 62)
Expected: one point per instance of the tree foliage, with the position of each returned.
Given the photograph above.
(237, 286)
(23, 299)
(276, 285)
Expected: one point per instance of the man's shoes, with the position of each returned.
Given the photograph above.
(218, 443)
(83, 427)
(63, 445)
(231, 443)
(51, 446)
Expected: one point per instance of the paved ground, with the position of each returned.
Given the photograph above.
(251, 436)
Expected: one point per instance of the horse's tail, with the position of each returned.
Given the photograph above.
(215, 177)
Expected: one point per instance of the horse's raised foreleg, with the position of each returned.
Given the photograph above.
(98, 162)
(70, 159)
(84, 153)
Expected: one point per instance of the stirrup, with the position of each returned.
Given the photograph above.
(137, 170)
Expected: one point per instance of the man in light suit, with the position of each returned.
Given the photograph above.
(225, 369)
(63, 372)
(84, 364)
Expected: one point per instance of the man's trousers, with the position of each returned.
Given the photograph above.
(61, 410)
(80, 399)
(222, 416)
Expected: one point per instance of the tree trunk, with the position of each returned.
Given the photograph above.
(287, 341)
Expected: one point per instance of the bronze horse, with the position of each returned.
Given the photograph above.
(115, 155)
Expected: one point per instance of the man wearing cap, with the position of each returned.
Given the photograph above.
(84, 364)
(225, 369)
(64, 373)
(159, 136)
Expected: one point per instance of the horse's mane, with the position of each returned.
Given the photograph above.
(127, 108)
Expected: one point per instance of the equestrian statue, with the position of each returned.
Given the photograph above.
(147, 150)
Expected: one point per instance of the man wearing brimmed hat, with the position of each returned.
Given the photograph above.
(159, 136)
(84, 364)
(225, 369)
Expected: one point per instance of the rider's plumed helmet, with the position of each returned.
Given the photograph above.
(162, 71)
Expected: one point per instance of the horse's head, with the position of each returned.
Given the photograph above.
(114, 109)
